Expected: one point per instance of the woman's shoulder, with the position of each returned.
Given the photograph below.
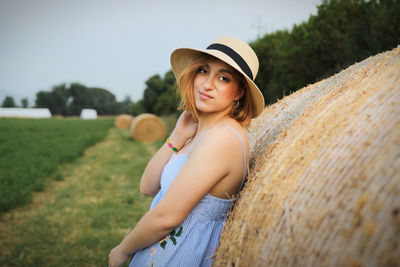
(230, 129)
(222, 137)
(227, 131)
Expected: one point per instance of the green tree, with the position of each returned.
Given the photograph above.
(154, 88)
(168, 101)
(79, 98)
(69, 101)
(137, 108)
(272, 51)
(103, 101)
(55, 101)
(126, 105)
(24, 102)
(8, 102)
(160, 97)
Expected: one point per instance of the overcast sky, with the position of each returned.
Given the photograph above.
(119, 44)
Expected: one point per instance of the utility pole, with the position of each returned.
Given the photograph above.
(258, 26)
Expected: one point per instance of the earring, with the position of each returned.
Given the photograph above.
(236, 106)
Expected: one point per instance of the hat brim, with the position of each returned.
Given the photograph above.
(183, 57)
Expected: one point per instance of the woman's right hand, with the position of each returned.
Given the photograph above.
(185, 128)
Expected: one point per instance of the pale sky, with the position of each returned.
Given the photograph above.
(118, 44)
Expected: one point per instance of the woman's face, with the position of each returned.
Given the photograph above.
(215, 87)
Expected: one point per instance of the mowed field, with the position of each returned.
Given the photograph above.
(32, 149)
(87, 203)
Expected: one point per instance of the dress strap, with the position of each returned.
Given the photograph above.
(244, 155)
(191, 145)
(243, 152)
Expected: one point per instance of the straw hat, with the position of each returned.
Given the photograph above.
(232, 51)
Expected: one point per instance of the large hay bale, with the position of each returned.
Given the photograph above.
(148, 128)
(123, 121)
(324, 179)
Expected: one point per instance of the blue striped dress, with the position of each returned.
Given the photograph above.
(193, 243)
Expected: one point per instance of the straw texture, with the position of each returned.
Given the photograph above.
(324, 179)
(148, 128)
(123, 121)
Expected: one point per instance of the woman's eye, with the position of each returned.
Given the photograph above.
(224, 79)
(202, 70)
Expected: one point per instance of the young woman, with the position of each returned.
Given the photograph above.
(202, 166)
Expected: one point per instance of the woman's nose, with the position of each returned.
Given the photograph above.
(208, 83)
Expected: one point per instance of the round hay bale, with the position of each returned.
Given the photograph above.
(324, 179)
(123, 121)
(148, 128)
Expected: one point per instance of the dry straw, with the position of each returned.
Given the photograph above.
(324, 182)
(123, 121)
(148, 128)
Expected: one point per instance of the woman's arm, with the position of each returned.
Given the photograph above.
(151, 228)
(185, 128)
(209, 162)
(150, 182)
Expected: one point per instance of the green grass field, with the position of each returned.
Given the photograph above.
(31, 150)
(78, 220)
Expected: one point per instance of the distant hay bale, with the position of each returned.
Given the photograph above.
(324, 179)
(123, 121)
(88, 114)
(148, 128)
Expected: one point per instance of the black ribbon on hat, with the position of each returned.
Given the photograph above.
(234, 56)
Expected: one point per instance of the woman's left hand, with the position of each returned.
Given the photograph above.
(116, 257)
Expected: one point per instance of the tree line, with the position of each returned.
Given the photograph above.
(69, 100)
(9, 102)
(341, 33)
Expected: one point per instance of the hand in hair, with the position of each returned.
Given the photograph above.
(185, 128)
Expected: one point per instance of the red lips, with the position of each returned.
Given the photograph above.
(205, 96)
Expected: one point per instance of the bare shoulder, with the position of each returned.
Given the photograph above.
(223, 139)
(228, 133)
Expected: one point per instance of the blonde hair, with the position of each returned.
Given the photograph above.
(242, 112)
